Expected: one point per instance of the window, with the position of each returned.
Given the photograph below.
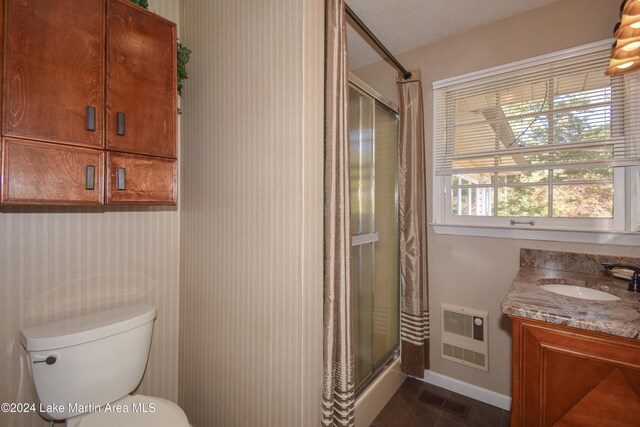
(547, 143)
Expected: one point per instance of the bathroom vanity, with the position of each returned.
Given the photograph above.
(576, 361)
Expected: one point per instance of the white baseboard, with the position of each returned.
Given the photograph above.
(478, 393)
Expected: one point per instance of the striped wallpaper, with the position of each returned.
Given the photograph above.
(251, 213)
(57, 262)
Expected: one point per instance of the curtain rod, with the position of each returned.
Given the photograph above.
(405, 74)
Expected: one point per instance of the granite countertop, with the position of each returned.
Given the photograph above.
(526, 299)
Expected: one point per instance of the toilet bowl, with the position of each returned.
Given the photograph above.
(84, 368)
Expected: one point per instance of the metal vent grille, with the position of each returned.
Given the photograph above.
(464, 336)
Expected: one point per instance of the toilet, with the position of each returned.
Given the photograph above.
(84, 368)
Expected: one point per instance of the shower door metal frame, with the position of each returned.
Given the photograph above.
(390, 107)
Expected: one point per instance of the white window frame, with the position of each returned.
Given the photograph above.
(622, 229)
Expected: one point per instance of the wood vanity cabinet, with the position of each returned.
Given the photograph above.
(96, 74)
(565, 376)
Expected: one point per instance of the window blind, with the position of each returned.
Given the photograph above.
(559, 111)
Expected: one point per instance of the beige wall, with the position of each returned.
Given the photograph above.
(59, 262)
(251, 230)
(474, 271)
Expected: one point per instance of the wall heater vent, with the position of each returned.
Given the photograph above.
(464, 336)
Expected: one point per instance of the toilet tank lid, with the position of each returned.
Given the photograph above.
(89, 327)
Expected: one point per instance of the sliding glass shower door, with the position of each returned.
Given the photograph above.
(373, 139)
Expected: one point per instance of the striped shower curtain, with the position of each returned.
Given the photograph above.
(414, 299)
(338, 398)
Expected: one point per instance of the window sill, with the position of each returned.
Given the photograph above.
(575, 236)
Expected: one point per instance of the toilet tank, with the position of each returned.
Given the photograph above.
(81, 363)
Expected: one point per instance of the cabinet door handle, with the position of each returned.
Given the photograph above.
(120, 123)
(91, 118)
(89, 177)
(120, 179)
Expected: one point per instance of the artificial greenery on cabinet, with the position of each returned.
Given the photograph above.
(141, 3)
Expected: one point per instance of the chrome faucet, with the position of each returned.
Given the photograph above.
(634, 284)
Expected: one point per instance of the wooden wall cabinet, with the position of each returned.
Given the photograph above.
(97, 74)
(39, 171)
(134, 178)
(141, 82)
(54, 71)
(571, 377)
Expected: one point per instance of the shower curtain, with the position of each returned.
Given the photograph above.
(338, 359)
(414, 299)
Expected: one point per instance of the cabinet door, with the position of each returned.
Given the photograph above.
(135, 179)
(141, 81)
(54, 71)
(43, 173)
(569, 377)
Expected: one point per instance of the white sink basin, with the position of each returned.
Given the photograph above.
(579, 292)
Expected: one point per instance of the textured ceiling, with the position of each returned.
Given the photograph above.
(402, 25)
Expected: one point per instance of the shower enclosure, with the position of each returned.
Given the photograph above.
(373, 144)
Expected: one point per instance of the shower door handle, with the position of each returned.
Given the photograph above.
(363, 239)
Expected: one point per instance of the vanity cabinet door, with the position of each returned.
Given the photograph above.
(54, 71)
(571, 377)
(133, 179)
(42, 173)
(141, 81)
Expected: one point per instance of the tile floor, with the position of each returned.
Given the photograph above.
(417, 403)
